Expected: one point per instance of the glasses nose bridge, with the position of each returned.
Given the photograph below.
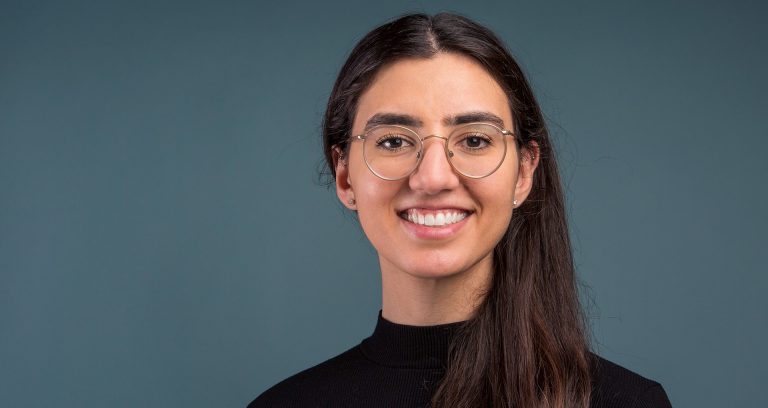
(442, 138)
(445, 152)
(423, 139)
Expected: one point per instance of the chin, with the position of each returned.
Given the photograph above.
(435, 270)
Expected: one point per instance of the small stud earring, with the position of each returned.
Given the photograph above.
(351, 201)
(514, 202)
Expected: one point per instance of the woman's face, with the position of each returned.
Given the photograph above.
(430, 96)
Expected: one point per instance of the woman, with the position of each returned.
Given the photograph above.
(435, 139)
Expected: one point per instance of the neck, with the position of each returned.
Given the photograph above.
(425, 301)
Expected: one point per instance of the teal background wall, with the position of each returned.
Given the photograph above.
(164, 240)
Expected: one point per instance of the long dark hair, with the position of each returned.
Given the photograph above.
(526, 344)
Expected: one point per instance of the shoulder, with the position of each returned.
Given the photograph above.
(616, 386)
(306, 387)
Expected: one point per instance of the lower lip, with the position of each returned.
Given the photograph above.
(431, 233)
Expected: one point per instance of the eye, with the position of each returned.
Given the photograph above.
(393, 142)
(474, 141)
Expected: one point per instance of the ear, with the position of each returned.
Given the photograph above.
(529, 160)
(343, 184)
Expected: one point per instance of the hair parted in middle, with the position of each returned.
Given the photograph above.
(526, 344)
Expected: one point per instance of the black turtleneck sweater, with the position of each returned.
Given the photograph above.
(400, 366)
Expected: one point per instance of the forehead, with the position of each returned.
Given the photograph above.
(433, 89)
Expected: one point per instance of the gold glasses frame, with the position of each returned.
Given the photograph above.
(448, 153)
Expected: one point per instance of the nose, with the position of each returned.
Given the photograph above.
(434, 173)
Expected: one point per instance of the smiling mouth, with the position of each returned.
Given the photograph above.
(434, 218)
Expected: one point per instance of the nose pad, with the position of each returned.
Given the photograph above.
(450, 154)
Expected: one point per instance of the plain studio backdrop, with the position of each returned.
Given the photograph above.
(165, 241)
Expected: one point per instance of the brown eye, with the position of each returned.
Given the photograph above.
(393, 142)
(474, 141)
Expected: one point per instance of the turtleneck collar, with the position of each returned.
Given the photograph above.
(404, 346)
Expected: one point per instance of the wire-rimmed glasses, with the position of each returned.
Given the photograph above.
(474, 150)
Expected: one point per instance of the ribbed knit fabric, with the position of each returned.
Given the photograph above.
(401, 366)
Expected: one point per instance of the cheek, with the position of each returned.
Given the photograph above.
(373, 194)
(496, 204)
(499, 202)
(376, 205)
(498, 189)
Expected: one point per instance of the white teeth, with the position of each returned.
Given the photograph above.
(437, 219)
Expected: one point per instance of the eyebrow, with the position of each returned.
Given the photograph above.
(471, 117)
(392, 119)
(412, 121)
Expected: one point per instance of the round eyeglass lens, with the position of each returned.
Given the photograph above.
(476, 150)
(391, 152)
